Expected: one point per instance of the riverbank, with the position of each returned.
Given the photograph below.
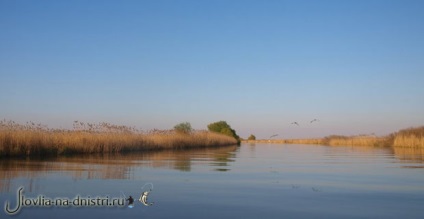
(411, 137)
(38, 140)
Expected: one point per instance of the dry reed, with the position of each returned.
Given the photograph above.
(303, 141)
(287, 141)
(35, 139)
(411, 137)
(362, 140)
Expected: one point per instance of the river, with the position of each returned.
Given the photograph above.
(247, 181)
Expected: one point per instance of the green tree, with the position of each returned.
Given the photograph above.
(223, 128)
(251, 137)
(183, 128)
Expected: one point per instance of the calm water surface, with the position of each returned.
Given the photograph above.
(250, 181)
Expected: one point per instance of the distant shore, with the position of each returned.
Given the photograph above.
(38, 140)
(411, 137)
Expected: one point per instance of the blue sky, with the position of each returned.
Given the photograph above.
(357, 66)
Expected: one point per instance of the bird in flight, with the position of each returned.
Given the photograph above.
(273, 136)
(314, 120)
(295, 123)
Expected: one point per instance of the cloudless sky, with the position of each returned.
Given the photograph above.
(357, 66)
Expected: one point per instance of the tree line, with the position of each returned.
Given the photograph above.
(221, 127)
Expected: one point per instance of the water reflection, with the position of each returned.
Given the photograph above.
(123, 166)
(410, 155)
(361, 150)
(264, 180)
(113, 166)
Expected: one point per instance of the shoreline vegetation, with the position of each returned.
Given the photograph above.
(411, 137)
(85, 138)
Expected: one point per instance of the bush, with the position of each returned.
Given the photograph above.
(183, 128)
(251, 137)
(223, 128)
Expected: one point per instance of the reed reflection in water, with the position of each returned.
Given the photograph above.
(410, 155)
(112, 166)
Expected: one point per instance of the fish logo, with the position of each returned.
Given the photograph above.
(143, 196)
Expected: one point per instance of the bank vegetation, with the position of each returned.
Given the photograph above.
(411, 137)
(37, 140)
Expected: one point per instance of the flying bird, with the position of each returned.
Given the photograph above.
(314, 120)
(273, 136)
(295, 123)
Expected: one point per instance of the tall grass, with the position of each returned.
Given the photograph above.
(35, 139)
(411, 137)
(303, 141)
(361, 140)
(288, 141)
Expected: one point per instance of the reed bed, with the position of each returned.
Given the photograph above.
(411, 137)
(362, 140)
(303, 141)
(36, 139)
(287, 141)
